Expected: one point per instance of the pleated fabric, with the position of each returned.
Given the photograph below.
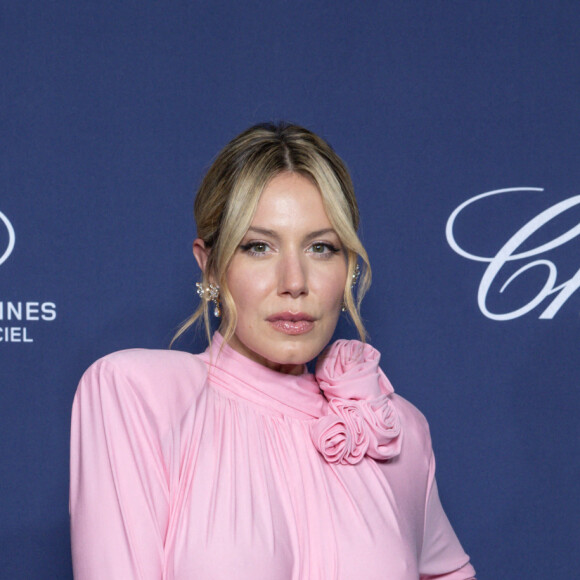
(214, 467)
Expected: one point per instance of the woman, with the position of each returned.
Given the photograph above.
(238, 463)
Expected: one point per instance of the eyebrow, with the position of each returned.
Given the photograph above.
(273, 234)
(263, 231)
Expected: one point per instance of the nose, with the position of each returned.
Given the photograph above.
(293, 275)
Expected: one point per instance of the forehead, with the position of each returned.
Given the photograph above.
(291, 200)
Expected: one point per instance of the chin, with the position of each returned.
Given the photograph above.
(270, 347)
(297, 352)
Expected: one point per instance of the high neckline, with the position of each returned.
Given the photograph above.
(277, 393)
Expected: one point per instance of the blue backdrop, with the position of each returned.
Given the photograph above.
(111, 112)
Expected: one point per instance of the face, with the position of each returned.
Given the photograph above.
(287, 277)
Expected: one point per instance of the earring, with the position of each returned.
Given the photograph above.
(211, 292)
(355, 276)
(354, 280)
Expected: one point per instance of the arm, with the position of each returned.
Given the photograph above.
(118, 481)
(442, 557)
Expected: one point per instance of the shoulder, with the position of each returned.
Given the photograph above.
(415, 428)
(149, 366)
(158, 380)
(411, 415)
(141, 361)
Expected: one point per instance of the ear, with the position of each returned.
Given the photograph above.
(201, 253)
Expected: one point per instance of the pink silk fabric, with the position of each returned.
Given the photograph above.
(214, 467)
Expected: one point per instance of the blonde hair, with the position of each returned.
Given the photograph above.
(228, 196)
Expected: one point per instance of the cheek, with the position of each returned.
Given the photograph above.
(332, 287)
(246, 289)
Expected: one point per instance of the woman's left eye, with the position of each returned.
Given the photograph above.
(323, 248)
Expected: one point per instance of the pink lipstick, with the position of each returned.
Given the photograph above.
(291, 323)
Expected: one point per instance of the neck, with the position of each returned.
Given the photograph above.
(287, 369)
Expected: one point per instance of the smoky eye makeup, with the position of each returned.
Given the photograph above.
(255, 248)
(324, 249)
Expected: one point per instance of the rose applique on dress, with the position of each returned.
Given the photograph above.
(361, 418)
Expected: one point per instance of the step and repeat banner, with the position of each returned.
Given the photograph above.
(460, 124)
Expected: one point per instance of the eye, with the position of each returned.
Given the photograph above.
(255, 248)
(259, 247)
(323, 248)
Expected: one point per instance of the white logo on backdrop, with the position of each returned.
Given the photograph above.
(11, 238)
(509, 253)
(16, 314)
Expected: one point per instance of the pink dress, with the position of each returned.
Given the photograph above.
(214, 467)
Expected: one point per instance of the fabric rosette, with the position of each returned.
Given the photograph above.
(361, 418)
(341, 436)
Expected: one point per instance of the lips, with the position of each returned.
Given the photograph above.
(291, 323)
